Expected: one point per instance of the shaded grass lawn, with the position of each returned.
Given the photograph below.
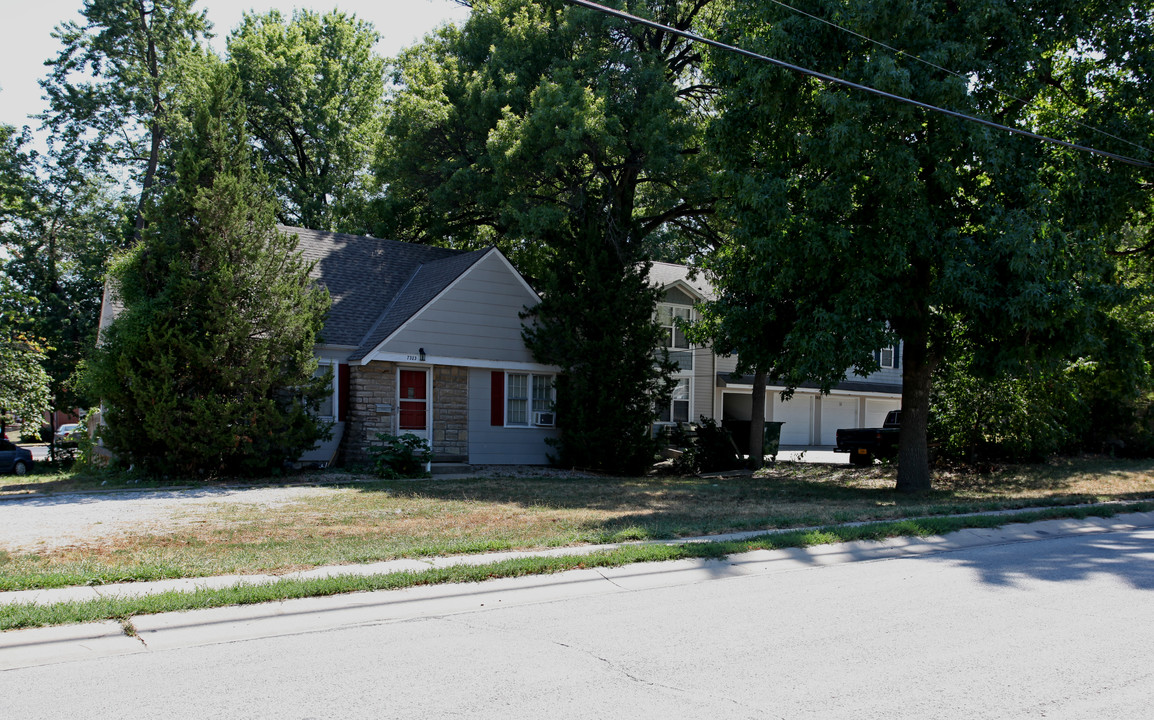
(370, 521)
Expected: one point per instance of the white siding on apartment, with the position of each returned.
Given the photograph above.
(478, 318)
(489, 445)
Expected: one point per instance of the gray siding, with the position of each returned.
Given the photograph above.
(478, 319)
(704, 384)
(331, 354)
(726, 363)
(675, 296)
(888, 376)
(490, 445)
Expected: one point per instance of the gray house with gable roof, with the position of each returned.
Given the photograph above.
(427, 340)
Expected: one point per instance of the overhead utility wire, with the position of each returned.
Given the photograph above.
(838, 81)
(935, 66)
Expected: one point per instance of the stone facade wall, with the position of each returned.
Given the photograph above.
(369, 386)
(375, 384)
(451, 414)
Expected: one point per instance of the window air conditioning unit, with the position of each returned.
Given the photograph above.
(545, 419)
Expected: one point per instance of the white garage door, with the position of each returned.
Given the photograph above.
(797, 414)
(876, 411)
(837, 412)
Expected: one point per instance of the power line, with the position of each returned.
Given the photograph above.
(693, 37)
(935, 66)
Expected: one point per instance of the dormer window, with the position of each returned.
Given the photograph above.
(888, 357)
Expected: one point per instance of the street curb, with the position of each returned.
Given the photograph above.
(197, 628)
(82, 593)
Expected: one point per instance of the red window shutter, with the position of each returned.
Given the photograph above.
(497, 396)
(342, 392)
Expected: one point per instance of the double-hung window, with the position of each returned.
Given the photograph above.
(327, 409)
(672, 319)
(887, 357)
(677, 410)
(529, 400)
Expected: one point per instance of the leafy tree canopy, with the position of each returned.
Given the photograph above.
(57, 231)
(118, 75)
(535, 113)
(856, 219)
(570, 140)
(24, 391)
(15, 172)
(59, 246)
(313, 87)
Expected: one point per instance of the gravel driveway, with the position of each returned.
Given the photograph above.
(44, 523)
(47, 522)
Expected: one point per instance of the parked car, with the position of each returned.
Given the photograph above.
(14, 459)
(68, 434)
(864, 444)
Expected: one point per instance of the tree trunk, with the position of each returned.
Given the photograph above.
(155, 129)
(913, 450)
(757, 422)
(157, 137)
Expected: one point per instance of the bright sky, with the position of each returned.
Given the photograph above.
(26, 41)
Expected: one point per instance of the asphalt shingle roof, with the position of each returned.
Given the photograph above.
(664, 274)
(375, 284)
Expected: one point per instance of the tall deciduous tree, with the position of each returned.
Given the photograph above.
(15, 172)
(878, 219)
(118, 76)
(57, 231)
(314, 87)
(59, 245)
(209, 367)
(24, 385)
(570, 140)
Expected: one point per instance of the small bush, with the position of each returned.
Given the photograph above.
(400, 457)
(712, 450)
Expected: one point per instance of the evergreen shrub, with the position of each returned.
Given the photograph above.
(400, 457)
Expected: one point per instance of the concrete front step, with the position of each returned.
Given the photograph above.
(451, 468)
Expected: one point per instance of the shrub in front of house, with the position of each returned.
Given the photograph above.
(396, 457)
(711, 449)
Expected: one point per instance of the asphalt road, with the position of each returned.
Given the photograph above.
(1054, 628)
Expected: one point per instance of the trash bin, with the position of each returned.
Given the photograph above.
(771, 439)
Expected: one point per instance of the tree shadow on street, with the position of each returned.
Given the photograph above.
(1126, 556)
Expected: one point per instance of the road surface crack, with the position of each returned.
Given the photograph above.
(617, 668)
(613, 582)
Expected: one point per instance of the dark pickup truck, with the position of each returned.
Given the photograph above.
(864, 444)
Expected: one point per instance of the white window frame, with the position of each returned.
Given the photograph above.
(893, 361)
(334, 396)
(688, 400)
(532, 382)
(676, 312)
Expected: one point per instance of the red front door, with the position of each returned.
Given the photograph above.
(413, 401)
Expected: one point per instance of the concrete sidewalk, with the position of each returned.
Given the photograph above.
(138, 589)
(41, 646)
